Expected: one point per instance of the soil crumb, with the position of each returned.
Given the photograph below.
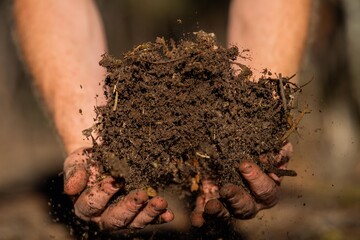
(180, 112)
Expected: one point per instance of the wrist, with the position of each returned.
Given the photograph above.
(70, 123)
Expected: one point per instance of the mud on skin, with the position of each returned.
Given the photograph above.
(177, 112)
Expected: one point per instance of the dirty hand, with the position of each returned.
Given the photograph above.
(232, 200)
(94, 191)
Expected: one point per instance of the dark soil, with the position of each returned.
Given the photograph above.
(178, 112)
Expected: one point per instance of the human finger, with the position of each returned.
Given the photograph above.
(208, 191)
(239, 201)
(93, 200)
(75, 174)
(286, 150)
(120, 214)
(281, 161)
(196, 217)
(154, 208)
(262, 186)
(167, 216)
(215, 209)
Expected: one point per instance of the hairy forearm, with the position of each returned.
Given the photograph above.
(61, 42)
(274, 31)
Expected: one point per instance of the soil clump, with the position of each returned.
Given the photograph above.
(180, 112)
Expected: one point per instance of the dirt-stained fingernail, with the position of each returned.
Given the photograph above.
(117, 185)
(245, 167)
(160, 204)
(140, 197)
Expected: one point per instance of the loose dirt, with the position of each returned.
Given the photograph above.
(179, 112)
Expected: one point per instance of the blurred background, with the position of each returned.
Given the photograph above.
(322, 202)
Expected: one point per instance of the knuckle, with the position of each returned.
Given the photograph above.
(246, 215)
(79, 213)
(110, 221)
(268, 195)
(108, 188)
(117, 223)
(86, 207)
(137, 225)
(111, 224)
(245, 210)
(94, 205)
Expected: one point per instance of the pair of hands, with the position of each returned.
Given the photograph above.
(136, 210)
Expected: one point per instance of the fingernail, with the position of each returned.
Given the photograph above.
(245, 167)
(160, 205)
(138, 200)
(116, 185)
(140, 197)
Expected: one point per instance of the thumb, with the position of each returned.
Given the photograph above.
(75, 173)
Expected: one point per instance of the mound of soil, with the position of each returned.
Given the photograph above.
(178, 112)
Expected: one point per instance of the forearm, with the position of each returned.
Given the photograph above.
(61, 42)
(274, 31)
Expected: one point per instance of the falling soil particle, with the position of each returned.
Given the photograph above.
(180, 112)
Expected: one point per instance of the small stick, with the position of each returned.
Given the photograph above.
(282, 93)
(295, 124)
(277, 171)
(287, 81)
(289, 78)
(202, 155)
(115, 86)
(307, 83)
(116, 100)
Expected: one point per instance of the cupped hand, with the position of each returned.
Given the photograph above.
(93, 192)
(232, 200)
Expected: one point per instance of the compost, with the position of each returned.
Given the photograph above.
(178, 112)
